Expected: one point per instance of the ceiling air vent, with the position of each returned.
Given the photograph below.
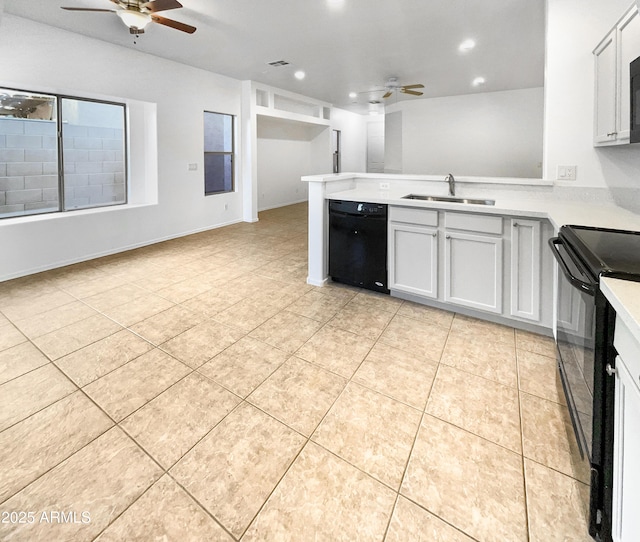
(278, 63)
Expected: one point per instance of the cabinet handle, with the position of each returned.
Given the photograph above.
(434, 234)
(515, 224)
(610, 370)
(612, 134)
(447, 237)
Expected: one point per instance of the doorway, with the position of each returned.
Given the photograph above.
(335, 146)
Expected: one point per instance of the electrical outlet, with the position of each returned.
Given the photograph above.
(193, 167)
(384, 186)
(567, 173)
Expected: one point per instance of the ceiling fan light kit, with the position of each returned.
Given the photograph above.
(134, 19)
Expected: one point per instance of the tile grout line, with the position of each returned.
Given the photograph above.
(522, 456)
(399, 493)
(306, 443)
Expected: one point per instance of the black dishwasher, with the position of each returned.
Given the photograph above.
(358, 244)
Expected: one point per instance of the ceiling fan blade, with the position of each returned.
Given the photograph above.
(412, 92)
(173, 24)
(88, 9)
(387, 94)
(419, 85)
(161, 5)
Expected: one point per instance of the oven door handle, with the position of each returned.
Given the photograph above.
(587, 287)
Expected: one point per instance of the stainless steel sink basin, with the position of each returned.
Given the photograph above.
(468, 201)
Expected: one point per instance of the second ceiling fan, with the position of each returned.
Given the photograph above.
(392, 86)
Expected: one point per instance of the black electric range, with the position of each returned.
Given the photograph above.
(584, 328)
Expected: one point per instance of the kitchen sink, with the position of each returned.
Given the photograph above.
(468, 201)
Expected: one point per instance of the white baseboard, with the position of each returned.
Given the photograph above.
(260, 209)
(95, 255)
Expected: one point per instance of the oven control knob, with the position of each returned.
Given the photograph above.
(610, 370)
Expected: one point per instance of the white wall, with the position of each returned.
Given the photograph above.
(288, 150)
(492, 134)
(393, 142)
(575, 27)
(281, 163)
(285, 152)
(38, 57)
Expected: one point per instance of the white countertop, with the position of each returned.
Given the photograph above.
(604, 215)
(624, 296)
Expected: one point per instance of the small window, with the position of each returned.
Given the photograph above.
(218, 153)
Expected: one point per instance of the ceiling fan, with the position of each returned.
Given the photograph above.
(137, 14)
(392, 86)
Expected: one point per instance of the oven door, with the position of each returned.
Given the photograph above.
(575, 330)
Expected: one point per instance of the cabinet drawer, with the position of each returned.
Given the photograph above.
(473, 222)
(629, 349)
(410, 215)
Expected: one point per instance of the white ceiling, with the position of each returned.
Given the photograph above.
(342, 45)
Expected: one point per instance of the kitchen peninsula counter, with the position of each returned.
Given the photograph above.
(532, 198)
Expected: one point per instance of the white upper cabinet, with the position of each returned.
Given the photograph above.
(628, 48)
(612, 100)
(605, 129)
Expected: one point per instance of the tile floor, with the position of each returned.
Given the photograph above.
(200, 390)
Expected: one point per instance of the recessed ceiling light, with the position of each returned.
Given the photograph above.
(478, 81)
(466, 46)
(299, 75)
(353, 94)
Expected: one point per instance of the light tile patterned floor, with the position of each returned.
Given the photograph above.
(200, 390)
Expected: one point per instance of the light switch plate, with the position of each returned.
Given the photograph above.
(567, 173)
(193, 167)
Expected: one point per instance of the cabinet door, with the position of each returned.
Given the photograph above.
(626, 462)
(525, 269)
(628, 47)
(605, 91)
(413, 259)
(473, 271)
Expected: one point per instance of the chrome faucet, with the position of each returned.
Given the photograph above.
(452, 184)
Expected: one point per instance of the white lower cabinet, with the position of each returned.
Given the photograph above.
(626, 440)
(526, 260)
(475, 260)
(473, 271)
(414, 259)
